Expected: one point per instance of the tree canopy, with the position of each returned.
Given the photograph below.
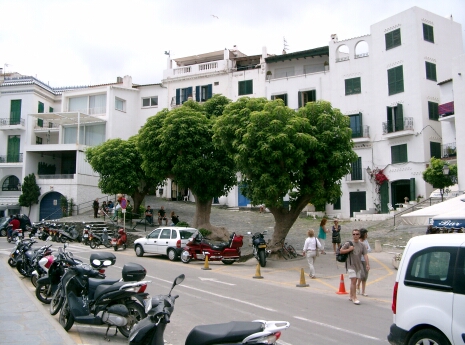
(119, 164)
(177, 144)
(30, 192)
(279, 151)
(435, 176)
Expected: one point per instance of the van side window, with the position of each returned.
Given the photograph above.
(432, 268)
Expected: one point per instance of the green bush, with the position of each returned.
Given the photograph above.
(205, 233)
(184, 224)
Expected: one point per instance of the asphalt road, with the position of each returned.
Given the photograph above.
(317, 314)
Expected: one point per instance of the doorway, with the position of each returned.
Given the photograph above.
(358, 202)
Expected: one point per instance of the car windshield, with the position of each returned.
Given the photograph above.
(186, 234)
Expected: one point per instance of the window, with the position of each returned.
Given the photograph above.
(399, 154)
(203, 93)
(430, 71)
(50, 109)
(40, 108)
(283, 97)
(150, 101)
(165, 233)
(15, 112)
(396, 80)
(353, 86)
(11, 183)
(155, 233)
(393, 39)
(356, 125)
(337, 204)
(38, 140)
(395, 119)
(98, 104)
(306, 96)
(182, 95)
(245, 87)
(433, 111)
(90, 135)
(120, 104)
(356, 170)
(428, 33)
(284, 72)
(435, 149)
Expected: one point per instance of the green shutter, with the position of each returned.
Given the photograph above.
(178, 96)
(357, 86)
(356, 173)
(433, 111)
(348, 86)
(399, 118)
(13, 149)
(428, 33)
(197, 93)
(430, 71)
(50, 109)
(396, 80)
(412, 189)
(40, 108)
(435, 149)
(15, 111)
(299, 99)
(40, 122)
(241, 88)
(249, 88)
(209, 91)
(390, 127)
(384, 197)
(393, 39)
(399, 154)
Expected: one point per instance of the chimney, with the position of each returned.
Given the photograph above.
(119, 80)
(334, 38)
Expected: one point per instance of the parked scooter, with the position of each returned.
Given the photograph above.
(85, 235)
(119, 241)
(17, 233)
(259, 247)
(103, 302)
(198, 248)
(151, 329)
(96, 241)
(70, 234)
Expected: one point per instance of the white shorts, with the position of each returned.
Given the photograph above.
(353, 274)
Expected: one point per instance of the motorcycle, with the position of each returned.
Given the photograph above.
(69, 235)
(28, 260)
(259, 247)
(100, 302)
(198, 248)
(120, 241)
(151, 329)
(17, 250)
(17, 233)
(85, 235)
(96, 241)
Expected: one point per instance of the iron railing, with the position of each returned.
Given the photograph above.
(11, 121)
(12, 158)
(449, 150)
(391, 127)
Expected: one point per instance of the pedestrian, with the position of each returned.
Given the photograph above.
(336, 235)
(149, 215)
(162, 216)
(322, 234)
(95, 206)
(174, 218)
(364, 277)
(14, 225)
(356, 250)
(311, 247)
(262, 208)
(104, 208)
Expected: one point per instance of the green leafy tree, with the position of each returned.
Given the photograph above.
(435, 176)
(177, 144)
(280, 151)
(119, 164)
(30, 192)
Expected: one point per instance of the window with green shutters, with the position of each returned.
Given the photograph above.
(50, 109)
(430, 71)
(396, 80)
(428, 33)
(305, 97)
(393, 39)
(353, 86)
(435, 149)
(433, 111)
(15, 112)
(283, 97)
(245, 87)
(356, 170)
(40, 108)
(399, 154)
(40, 123)
(356, 125)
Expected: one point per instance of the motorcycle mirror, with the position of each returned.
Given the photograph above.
(64, 245)
(177, 281)
(249, 233)
(71, 255)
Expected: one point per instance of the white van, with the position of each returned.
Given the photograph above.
(429, 293)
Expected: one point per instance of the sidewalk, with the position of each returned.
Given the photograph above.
(22, 316)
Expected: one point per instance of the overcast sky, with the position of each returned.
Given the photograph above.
(70, 42)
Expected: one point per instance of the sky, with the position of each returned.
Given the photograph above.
(71, 42)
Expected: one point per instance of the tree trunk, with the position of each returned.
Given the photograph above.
(202, 220)
(137, 197)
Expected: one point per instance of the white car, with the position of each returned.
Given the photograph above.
(429, 293)
(165, 240)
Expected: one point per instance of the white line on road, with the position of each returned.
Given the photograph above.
(214, 280)
(338, 329)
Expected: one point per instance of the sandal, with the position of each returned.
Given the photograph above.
(364, 294)
(357, 302)
(313, 277)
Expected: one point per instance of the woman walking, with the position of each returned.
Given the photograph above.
(95, 206)
(364, 274)
(336, 235)
(322, 235)
(311, 247)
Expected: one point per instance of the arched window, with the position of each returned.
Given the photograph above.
(11, 183)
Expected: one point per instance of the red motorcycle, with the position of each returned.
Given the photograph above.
(120, 241)
(198, 248)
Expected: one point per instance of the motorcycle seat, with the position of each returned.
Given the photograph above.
(223, 333)
(102, 289)
(94, 283)
(219, 246)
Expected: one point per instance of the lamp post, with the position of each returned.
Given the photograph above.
(445, 172)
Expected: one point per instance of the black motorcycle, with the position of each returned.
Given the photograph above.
(151, 329)
(21, 246)
(103, 302)
(69, 234)
(95, 241)
(28, 261)
(259, 247)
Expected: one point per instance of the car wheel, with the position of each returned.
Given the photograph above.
(172, 254)
(428, 336)
(139, 250)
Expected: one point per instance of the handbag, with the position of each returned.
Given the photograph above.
(316, 248)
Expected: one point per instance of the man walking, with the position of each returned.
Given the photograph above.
(354, 267)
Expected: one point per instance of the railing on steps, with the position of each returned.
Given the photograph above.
(425, 203)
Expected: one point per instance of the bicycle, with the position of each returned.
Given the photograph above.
(288, 251)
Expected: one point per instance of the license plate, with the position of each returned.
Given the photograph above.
(262, 246)
(113, 243)
(86, 235)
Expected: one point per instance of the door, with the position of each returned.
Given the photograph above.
(164, 241)
(399, 191)
(357, 202)
(384, 197)
(458, 305)
(242, 200)
(15, 112)
(50, 207)
(151, 241)
(13, 149)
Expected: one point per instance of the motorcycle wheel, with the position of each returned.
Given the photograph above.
(57, 301)
(3, 232)
(227, 262)
(12, 262)
(63, 239)
(43, 293)
(185, 257)
(124, 246)
(262, 258)
(34, 279)
(107, 244)
(136, 313)
(66, 318)
(22, 270)
(93, 244)
(115, 248)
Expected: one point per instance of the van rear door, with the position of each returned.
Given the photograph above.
(458, 313)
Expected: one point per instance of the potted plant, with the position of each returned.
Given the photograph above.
(420, 197)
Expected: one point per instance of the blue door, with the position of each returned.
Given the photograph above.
(242, 200)
(50, 206)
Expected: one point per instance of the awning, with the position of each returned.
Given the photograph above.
(68, 118)
(454, 219)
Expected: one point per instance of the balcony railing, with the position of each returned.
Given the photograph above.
(11, 122)
(182, 70)
(391, 127)
(361, 132)
(208, 66)
(449, 150)
(46, 125)
(359, 56)
(344, 58)
(358, 175)
(90, 111)
(12, 158)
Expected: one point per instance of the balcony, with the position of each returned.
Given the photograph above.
(361, 134)
(449, 150)
(446, 109)
(12, 123)
(12, 158)
(358, 176)
(393, 129)
(202, 68)
(90, 111)
(45, 126)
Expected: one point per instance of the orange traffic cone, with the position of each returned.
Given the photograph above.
(206, 267)
(302, 279)
(342, 287)
(257, 275)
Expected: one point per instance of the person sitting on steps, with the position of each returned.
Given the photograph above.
(162, 216)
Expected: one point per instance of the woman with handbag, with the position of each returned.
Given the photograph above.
(311, 247)
(336, 235)
(322, 235)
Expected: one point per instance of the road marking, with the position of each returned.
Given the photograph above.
(338, 329)
(214, 280)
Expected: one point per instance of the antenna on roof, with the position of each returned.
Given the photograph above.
(167, 52)
(285, 46)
